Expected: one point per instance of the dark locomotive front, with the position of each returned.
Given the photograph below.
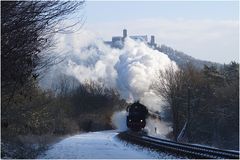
(136, 119)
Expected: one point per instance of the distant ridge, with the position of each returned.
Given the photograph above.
(182, 59)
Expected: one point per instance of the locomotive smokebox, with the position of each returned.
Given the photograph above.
(137, 114)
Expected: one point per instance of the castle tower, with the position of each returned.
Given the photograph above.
(124, 33)
(152, 42)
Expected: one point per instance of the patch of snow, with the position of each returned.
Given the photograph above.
(95, 145)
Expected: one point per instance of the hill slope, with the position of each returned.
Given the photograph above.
(181, 58)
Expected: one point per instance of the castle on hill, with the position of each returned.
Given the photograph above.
(118, 41)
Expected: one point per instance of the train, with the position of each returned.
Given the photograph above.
(136, 118)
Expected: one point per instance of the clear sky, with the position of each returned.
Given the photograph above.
(112, 11)
(202, 29)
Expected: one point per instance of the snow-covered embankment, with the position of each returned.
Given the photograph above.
(98, 145)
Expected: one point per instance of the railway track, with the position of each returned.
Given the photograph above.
(189, 150)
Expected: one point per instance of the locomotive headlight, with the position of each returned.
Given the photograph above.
(141, 120)
(129, 120)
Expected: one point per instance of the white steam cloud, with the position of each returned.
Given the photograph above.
(131, 70)
(155, 127)
(119, 120)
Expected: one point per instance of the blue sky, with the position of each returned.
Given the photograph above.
(202, 29)
(99, 11)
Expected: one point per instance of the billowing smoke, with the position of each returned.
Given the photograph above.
(119, 120)
(131, 70)
(155, 127)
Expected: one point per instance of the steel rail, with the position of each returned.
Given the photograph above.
(189, 150)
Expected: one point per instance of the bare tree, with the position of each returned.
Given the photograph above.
(174, 86)
(167, 83)
(204, 103)
(27, 31)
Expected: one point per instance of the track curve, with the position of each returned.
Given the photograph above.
(190, 150)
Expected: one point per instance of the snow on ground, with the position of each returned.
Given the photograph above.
(99, 145)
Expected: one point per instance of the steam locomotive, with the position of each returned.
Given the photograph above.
(137, 114)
